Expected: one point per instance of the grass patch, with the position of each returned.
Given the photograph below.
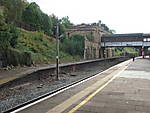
(41, 47)
(126, 50)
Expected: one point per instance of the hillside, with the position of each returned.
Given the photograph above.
(41, 47)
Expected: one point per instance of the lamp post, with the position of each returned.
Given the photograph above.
(57, 52)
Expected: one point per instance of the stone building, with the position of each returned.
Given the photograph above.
(92, 37)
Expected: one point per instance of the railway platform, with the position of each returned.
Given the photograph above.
(123, 88)
(10, 75)
(18, 72)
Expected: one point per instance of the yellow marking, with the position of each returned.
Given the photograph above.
(90, 97)
(93, 94)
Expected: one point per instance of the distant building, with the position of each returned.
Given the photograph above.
(92, 35)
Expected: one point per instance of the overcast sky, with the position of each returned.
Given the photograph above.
(124, 16)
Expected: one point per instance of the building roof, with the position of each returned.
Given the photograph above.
(146, 35)
(123, 35)
(85, 27)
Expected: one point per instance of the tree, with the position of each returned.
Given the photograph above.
(46, 24)
(2, 19)
(105, 27)
(8, 34)
(32, 15)
(13, 10)
(66, 22)
(54, 20)
(73, 46)
(112, 31)
(4, 33)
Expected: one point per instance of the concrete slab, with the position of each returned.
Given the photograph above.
(128, 93)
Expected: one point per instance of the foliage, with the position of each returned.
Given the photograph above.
(105, 27)
(74, 46)
(125, 50)
(37, 44)
(90, 36)
(33, 16)
(41, 47)
(15, 57)
(112, 31)
(14, 35)
(56, 21)
(8, 34)
(66, 22)
(2, 19)
(13, 10)
(46, 25)
(29, 16)
(4, 39)
(63, 23)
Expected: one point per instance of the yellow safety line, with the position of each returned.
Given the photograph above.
(93, 94)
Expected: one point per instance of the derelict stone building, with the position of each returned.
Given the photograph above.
(92, 38)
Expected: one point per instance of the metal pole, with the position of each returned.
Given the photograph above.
(104, 54)
(142, 51)
(124, 53)
(57, 51)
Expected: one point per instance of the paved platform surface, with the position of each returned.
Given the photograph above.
(124, 88)
(128, 93)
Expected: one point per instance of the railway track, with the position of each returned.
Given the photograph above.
(49, 94)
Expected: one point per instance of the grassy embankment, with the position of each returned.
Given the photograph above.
(126, 50)
(41, 47)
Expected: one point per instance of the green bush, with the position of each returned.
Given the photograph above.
(15, 57)
(90, 36)
(8, 34)
(73, 46)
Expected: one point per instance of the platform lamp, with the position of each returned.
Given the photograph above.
(57, 50)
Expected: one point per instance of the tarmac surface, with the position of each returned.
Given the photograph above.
(124, 88)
